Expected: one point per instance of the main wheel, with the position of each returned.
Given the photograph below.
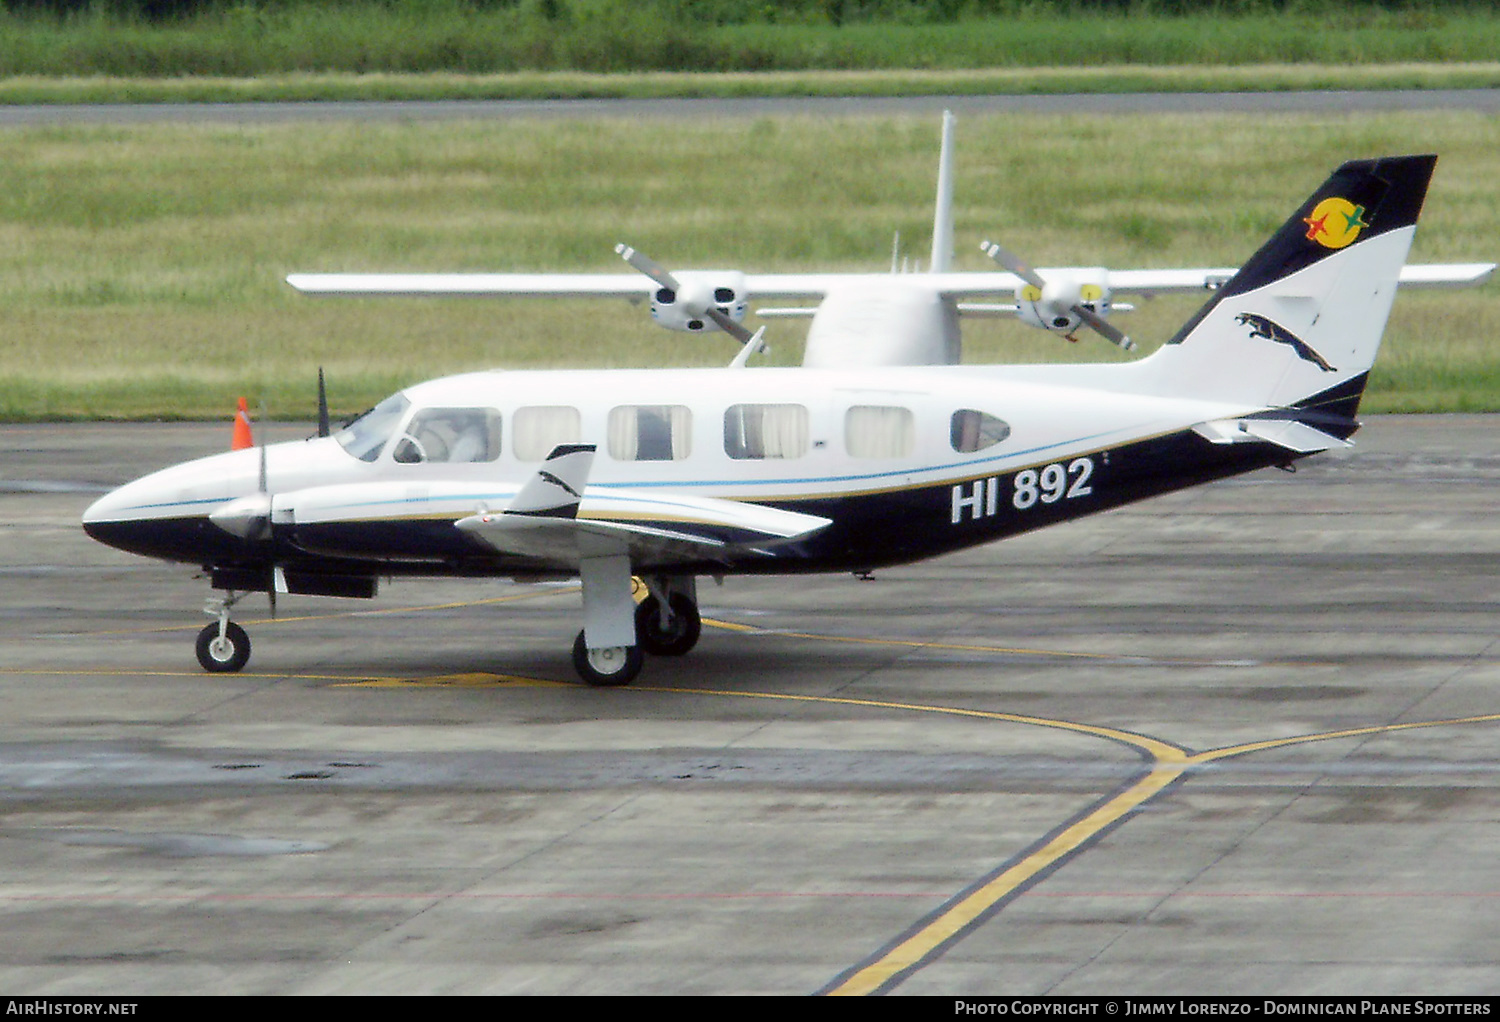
(229, 653)
(677, 636)
(609, 667)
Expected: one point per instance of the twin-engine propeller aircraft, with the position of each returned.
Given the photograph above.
(860, 319)
(669, 475)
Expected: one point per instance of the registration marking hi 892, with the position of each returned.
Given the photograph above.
(1030, 486)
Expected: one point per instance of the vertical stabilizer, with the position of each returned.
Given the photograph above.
(1300, 324)
(942, 219)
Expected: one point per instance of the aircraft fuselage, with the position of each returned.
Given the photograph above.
(904, 463)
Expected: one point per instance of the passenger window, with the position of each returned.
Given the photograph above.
(973, 431)
(537, 429)
(879, 431)
(650, 433)
(765, 431)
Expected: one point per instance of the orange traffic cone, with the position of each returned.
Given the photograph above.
(242, 438)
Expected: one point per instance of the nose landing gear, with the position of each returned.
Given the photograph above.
(224, 646)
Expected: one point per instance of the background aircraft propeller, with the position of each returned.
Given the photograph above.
(1095, 322)
(697, 304)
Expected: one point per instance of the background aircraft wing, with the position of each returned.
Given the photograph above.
(635, 286)
(521, 285)
(1186, 280)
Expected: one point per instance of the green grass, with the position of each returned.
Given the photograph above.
(290, 41)
(141, 267)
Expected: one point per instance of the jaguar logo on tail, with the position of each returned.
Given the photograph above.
(1260, 326)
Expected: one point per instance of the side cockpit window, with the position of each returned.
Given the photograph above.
(972, 430)
(450, 436)
(365, 437)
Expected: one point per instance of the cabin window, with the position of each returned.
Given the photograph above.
(650, 432)
(450, 436)
(879, 431)
(537, 429)
(972, 430)
(365, 437)
(765, 431)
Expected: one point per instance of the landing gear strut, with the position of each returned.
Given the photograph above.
(223, 647)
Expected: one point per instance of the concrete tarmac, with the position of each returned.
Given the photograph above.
(1240, 741)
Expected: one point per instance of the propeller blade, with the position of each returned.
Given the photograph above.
(729, 326)
(271, 588)
(649, 267)
(263, 487)
(1014, 263)
(1103, 328)
(324, 428)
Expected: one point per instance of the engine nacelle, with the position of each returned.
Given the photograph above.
(1051, 307)
(701, 289)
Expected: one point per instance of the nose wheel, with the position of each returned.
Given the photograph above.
(223, 647)
(225, 651)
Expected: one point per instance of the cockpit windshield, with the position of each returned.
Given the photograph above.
(366, 436)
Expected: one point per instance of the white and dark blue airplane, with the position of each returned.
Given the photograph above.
(671, 475)
(859, 319)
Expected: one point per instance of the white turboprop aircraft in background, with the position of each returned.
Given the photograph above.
(861, 319)
(672, 474)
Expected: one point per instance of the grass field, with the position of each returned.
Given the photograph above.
(141, 267)
(250, 39)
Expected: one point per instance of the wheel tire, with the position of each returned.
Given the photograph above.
(674, 640)
(228, 654)
(607, 668)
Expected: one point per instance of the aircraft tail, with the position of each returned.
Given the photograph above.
(1299, 325)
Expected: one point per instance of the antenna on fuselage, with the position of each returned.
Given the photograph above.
(324, 427)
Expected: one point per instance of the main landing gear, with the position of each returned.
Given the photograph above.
(665, 623)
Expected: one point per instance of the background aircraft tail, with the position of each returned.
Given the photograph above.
(1299, 325)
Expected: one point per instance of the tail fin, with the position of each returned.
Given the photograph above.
(942, 217)
(1300, 324)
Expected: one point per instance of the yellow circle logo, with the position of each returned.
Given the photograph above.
(1335, 222)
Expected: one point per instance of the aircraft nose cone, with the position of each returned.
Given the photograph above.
(165, 514)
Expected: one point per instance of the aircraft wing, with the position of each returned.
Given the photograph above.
(521, 285)
(655, 530)
(1182, 281)
(636, 287)
(555, 518)
(1146, 282)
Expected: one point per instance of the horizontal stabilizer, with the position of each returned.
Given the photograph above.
(1288, 433)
